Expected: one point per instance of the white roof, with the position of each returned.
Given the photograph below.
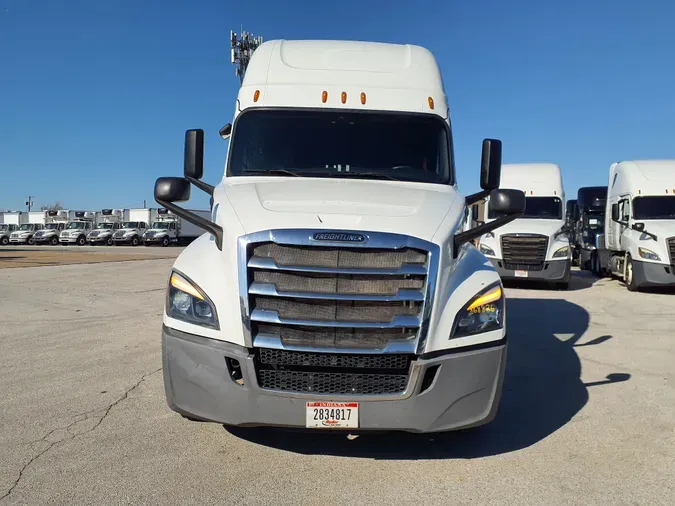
(296, 72)
(643, 177)
(533, 178)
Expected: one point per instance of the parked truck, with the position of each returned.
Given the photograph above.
(638, 245)
(107, 223)
(536, 245)
(571, 217)
(55, 223)
(6, 230)
(134, 226)
(79, 225)
(590, 220)
(169, 228)
(24, 233)
(334, 287)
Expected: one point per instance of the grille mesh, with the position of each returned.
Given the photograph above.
(333, 360)
(671, 249)
(340, 283)
(524, 252)
(332, 383)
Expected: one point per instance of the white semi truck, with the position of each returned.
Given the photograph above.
(9, 222)
(108, 222)
(55, 222)
(169, 228)
(335, 287)
(134, 226)
(24, 233)
(536, 245)
(79, 225)
(639, 241)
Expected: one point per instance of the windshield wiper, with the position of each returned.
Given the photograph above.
(277, 172)
(379, 175)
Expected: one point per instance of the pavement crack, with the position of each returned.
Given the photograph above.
(69, 435)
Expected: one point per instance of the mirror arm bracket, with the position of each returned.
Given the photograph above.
(475, 197)
(212, 228)
(201, 185)
(463, 237)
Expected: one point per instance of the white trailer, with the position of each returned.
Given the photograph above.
(108, 221)
(10, 218)
(55, 223)
(134, 226)
(79, 225)
(35, 217)
(171, 229)
(534, 246)
(639, 224)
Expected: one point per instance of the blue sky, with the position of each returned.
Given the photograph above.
(95, 96)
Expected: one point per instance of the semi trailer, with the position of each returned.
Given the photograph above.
(638, 244)
(536, 245)
(335, 287)
(169, 228)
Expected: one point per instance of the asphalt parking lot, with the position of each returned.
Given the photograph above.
(587, 416)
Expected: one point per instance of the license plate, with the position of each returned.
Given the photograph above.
(331, 415)
(521, 274)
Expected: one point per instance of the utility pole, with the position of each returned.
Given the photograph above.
(29, 203)
(241, 50)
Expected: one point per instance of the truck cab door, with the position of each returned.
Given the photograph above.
(624, 213)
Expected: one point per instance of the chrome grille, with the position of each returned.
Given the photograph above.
(119, 234)
(671, 249)
(524, 252)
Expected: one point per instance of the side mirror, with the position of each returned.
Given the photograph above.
(172, 189)
(194, 154)
(615, 212)
(225, 131)
(511, 202)
(491, 164)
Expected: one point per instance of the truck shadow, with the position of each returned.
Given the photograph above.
(542, 392)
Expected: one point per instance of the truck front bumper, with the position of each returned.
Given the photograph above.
(465, 391)
(554, 270)
(653, 275)
(19, 240)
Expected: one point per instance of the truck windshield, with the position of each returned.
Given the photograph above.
(105, 225)
(329, 143)
(4, 227)
(654, 208)
(75, 225)
(50, 226)
(543, 208)
(594, 219)
(160, 225)
(130, 224)
(26, 226)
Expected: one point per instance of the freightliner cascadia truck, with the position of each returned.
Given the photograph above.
(337, 286)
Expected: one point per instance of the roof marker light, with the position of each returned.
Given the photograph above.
(363, 98)
(256, 95)
(431, 103)
(343, 97)
(324, 96)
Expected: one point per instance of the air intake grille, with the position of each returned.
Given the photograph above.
(332, 383)
(280, 358)
(524, 252)
(671, 250)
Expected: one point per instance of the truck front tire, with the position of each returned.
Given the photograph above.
(134, 240)
(54, 241)
(81, 241)
(165, 242)
(629, 278)
(4, 241)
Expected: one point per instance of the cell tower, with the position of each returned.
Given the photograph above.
(242, 49)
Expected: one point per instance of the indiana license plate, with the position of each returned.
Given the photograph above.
(332, 415)
(521, 274)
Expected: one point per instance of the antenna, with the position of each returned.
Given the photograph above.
(241, 50)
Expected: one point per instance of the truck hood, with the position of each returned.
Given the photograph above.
(414, 209)
(530, 226)
(663, 229)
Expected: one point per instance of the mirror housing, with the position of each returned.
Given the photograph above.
(225, 131)
(172, 189)
(491, 164)
(615, 212)
(193, 163)
(511, 203)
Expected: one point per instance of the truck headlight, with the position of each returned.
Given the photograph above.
(648, 254)
(562, 252)
(483, 313)
(486, 250)
(187, 302)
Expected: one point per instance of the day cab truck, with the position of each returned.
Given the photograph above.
(55, 222)
(24, 233)
(536, 245)
(6, 230)
(134, 226)
(108, 222)
(639, 234)
(80, 224)
(169, 228)
(590, 221)
(335, 288)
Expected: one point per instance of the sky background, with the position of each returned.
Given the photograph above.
(95, 96)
